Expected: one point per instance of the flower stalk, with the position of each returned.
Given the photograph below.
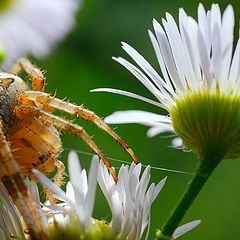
(211, 157)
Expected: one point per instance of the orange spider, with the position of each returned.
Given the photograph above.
(29, 138)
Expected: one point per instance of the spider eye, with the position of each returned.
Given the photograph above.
(42, 158)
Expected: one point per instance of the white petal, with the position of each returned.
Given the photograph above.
(176, 46)
(177, 142)
(78, 179)
(92, 179)
(43, 22)
(227, 42)
(136, 116)
(234, 75)
(128, 94)
(158, 189)
(141, 61)
(155, 90)
(161, 63)
(185, 228)
(167, 55)
(70, 191)
(160, 128)
(117, 213)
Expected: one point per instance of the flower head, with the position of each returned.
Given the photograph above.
(74, 214)
(34, 26)
(200, 83)
(130, 199)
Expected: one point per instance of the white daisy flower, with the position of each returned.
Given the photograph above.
(130, 201)
(79, 197)
(34, 26)
(200, 82)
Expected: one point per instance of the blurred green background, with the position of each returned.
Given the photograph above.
(83, 62)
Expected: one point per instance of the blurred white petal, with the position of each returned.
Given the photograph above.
(35, 26)
(185, 228)
(129, 199)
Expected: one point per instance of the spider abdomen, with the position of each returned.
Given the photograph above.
(35, 145)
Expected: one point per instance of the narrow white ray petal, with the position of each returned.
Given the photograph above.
(216, 51)
(227, 43)
(70, 191)
(161, 63)
(235, 66)
(177, 142)
(117, 213)
(156, 91)
(159, 128)
(192, 73)
(215, 19)
(158, 189)
(78, 179)
(129, 94)
(180, 55)
(143, 183)
(191, 38)
(205, 60)
(106, 182)
(185, 228)
(136, 116)
(167, 55)
(141, 61)
(203, 26)
(73, 157)
(92, 179)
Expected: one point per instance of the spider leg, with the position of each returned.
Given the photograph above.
(23, 64)
(43, 99)
(58, 180)
(14, 182)
(68, 126)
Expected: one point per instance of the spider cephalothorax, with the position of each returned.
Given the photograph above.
(29, 137)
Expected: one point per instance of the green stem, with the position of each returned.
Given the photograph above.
(209, 161)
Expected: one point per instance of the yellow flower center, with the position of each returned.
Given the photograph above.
(208, 120)
(5, 5)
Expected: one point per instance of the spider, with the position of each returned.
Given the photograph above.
(29, 136)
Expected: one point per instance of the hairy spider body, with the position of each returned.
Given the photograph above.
(29, 137)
